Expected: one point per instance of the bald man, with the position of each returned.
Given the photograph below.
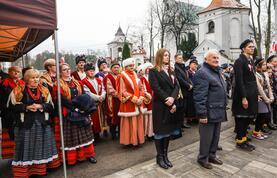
(210, 99)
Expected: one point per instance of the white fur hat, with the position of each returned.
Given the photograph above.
(139, 68)
(145, 66)
(128, 61)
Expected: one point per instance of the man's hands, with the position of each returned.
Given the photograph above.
(34, 107)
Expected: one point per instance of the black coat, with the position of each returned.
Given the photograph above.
(163, 121)
(245, 86)
(210, 97)
(183, 78)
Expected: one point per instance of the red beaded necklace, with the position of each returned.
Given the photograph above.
(34, 96)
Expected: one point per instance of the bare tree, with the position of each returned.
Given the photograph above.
(257, 30)
(152, 29)
(183, 18)
(161, 11)
(268, 29)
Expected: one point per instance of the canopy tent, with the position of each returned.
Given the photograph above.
(24, 25)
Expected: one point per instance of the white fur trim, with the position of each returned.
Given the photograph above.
(28, 163)
(129, 114)
(143, 110)
(128, 78)
(128, 61)
(145, 66)
(148, 112)
(79, 146)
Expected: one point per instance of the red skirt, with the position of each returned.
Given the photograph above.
(73, 155)
(35, 169)
(8, 145)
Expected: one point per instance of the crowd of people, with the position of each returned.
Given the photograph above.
(133, 103)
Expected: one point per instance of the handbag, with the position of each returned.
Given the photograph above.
(78, 118)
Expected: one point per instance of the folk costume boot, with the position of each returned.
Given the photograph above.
(166, 143)
(160, 153)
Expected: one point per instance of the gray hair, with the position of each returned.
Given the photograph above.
(209, 52)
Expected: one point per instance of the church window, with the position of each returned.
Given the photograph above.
(211, 27)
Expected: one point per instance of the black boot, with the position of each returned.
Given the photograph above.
(160, 153)
(166, 143)
(113, 132)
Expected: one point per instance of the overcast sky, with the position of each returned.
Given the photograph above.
(91, 24)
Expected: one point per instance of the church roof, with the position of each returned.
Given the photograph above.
(229, 4)
(119, 32)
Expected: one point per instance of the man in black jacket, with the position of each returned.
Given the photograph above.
(245, 97)
(185, 83)
(210, 100)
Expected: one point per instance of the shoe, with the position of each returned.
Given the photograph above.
(166, 143)
(266, 130)
(271, 127)
(92, 160)
(244, 147)
(258, 136)
(250, 145)
(206, 165)
(219, 148)
(264, 135)
(215, 161)
(186, 126)
(159, 144)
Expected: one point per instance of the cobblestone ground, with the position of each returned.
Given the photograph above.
(237, 163)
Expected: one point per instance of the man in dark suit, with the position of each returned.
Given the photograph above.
(210, 100)
(185, 83)
(245, 97)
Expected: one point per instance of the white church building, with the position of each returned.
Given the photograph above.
(223, 25)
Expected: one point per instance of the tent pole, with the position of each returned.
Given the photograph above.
(59, 98)
(22, 61)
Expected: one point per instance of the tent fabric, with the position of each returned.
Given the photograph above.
(23, 25)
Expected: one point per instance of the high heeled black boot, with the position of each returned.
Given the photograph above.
(166, 143)
(160, 153)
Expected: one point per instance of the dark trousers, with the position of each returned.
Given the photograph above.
(209, 138)
(274, 110)
(242, 124)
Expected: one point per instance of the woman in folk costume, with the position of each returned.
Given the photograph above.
(265, 99)
(131, 124)
(112, 100)
(94, 88)
(166, 122)
(35, 149)
(48, 77)
(78, 137)
(147, 111)
(6, 87)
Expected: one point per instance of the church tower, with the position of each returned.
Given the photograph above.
(223, 25)
(116, 46)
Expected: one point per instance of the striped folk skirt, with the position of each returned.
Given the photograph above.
(78, 141)
(35, 150)
(7, 145)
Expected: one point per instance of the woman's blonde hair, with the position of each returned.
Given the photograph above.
(31, 73)
(61, 67)
(159, 59)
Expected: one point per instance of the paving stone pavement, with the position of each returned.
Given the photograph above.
(261, 163)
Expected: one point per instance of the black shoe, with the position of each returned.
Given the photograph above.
(92, 160)
(250, 145)
(206, 165)
(186, 126)
(266, 130)
(271, 127)
(166, 143)
(244, 146)
(219, 148)
(215, 161)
